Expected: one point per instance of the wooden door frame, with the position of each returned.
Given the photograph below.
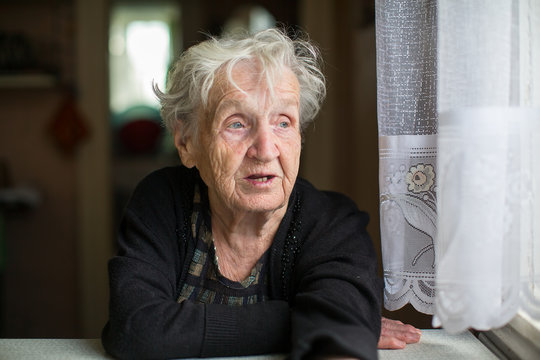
(94, 193)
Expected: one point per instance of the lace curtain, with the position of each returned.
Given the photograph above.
(406, 91)
(481, 83)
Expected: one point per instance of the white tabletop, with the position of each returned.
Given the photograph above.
(439, 345)
(435, 344)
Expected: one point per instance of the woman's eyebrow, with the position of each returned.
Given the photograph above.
(287, 102)
(227, 104)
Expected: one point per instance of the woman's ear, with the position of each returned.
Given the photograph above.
(185, 147)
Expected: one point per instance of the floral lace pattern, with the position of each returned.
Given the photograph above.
(408, 219)
(420, 178)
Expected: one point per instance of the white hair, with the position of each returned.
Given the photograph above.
(193, 74)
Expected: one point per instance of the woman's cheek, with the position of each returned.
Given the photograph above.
(222, 158)
(235, 146)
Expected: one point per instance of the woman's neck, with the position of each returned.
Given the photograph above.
(242, 238)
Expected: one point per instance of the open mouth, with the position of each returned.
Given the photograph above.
(261, 178)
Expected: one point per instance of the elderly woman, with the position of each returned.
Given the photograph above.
(232, 253)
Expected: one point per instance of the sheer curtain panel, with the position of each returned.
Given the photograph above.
(488, 243)
(407, 117)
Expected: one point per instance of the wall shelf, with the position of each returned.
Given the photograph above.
(26, 81)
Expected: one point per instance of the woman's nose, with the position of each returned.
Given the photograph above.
(264, 146)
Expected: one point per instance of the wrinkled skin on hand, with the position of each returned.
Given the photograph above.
(396, 335)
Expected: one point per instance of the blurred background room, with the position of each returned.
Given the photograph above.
(79, 127)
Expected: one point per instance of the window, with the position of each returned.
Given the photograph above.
(141, 45)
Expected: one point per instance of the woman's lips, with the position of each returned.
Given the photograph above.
(260, 178)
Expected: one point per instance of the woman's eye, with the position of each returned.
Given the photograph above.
(284, 124)
(236, 125)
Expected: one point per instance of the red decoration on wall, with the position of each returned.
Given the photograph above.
(68, 127)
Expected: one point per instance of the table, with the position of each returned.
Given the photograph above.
(435, 344)
(439, 345)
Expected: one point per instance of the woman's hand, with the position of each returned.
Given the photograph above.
(395, 334)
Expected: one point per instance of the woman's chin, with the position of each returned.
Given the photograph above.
(262, 203)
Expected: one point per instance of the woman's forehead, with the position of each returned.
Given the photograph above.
(246, 77)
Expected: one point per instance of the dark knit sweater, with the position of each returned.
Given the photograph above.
(325, 295)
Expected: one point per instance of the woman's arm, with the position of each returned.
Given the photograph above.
(336, 309)
(145, 321)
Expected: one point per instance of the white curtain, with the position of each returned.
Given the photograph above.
(406, 89)
(488, 243)
(487, 102)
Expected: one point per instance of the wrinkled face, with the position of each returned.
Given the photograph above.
(248, 144)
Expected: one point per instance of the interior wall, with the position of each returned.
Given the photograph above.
(54, 281)
(39, 278)
(203, 17)
(38, 247)
(341, 147)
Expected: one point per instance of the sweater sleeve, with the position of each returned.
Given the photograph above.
(337, 304)
(145, 320)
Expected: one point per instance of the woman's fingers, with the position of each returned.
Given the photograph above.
(395, 334)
